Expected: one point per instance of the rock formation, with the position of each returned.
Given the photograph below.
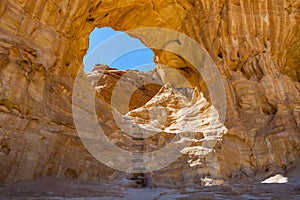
(255, 45)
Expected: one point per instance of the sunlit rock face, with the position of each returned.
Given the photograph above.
(255, 46)
(126, 90)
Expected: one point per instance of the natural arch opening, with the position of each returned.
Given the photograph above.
(104, 45)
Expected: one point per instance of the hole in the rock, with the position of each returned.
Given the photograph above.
(267, 170)
(117, 50)
(71, 173)
(91, 19)
(5, 149)
(220, 55)
(269, 109)
(139, 178)
(24, 63)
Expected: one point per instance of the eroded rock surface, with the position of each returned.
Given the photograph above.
(255, 46)
(132, 89)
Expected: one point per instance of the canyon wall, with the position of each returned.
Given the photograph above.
(255, 45)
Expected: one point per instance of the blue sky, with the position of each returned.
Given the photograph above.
(118, 50)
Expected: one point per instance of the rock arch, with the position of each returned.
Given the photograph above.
(42, 44)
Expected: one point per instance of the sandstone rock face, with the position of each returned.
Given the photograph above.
(255, 45)
(137, 87)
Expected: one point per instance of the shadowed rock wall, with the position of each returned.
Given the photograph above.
(256, 46)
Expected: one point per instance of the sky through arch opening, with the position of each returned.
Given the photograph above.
(104, 43)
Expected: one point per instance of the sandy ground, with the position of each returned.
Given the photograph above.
(56, 188)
